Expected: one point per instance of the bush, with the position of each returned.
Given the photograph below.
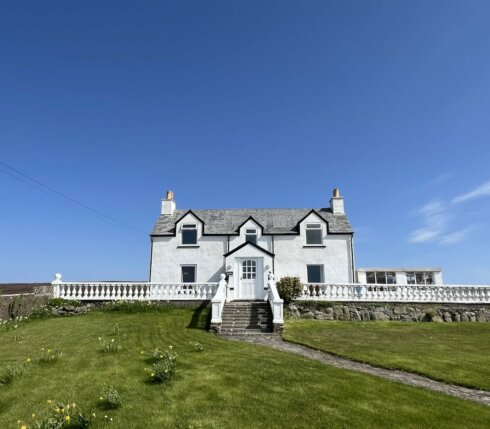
(130, 307)
(289, 288)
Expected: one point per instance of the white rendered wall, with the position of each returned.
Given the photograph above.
(291, 255)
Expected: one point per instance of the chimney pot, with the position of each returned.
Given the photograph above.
(336, 193)
(170, 195)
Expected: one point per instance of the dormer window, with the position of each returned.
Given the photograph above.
(189, 234)
(314, 234)
(251, 235)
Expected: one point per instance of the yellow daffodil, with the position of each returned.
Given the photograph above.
(28, 360)
(67, 419)
(50, 401)
(101, 398)
(23, 427)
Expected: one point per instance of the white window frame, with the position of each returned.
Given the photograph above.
(314, 227)
(188, 226)
(385, 273)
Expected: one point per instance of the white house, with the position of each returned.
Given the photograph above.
(197, 246)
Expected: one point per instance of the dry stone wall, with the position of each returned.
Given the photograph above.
(389, 311)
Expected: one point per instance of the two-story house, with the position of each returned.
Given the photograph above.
(196, 246)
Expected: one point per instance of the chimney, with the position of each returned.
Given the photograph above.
(168, 204)
(337, 203)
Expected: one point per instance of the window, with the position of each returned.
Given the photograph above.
(315, 273)
(410, 278)
(420, 278)
(314, 233)
(189, 234)
(188, 273)
(251, 235)
(381, 277)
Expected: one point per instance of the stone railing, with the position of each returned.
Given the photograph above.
(396, 293)
(276, 304)
(132, 291)
(217, 304)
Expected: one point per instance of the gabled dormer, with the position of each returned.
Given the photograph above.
(189, 229)
(313, 230)
(250, 230)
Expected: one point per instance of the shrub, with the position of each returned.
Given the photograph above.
(289, 288)
(164, 367)
(50, 355)
(110, 398)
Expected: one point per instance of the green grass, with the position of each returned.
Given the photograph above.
(451, 352)
(227, 385)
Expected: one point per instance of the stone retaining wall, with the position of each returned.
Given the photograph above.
(389, 311)
(15, 306)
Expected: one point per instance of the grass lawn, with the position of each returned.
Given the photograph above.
(451, 352)
(227, 385)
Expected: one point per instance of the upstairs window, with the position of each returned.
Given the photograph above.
(251, 235)
(189, 234)
(315, 274)
(314, 233)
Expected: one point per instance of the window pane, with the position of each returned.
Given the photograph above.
(410, 278)
(429, 278)
(189, 236)
(313, 236)
(251, 237)
(420, 278)
(391, 278)
(381, 277)
(370, 277)
(189, 274)
(315, 273)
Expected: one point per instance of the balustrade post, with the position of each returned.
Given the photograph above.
(56, 283)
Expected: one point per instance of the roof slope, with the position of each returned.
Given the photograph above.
(274, 221)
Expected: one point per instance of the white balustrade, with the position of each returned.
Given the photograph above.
(349, 292)
(132, 291)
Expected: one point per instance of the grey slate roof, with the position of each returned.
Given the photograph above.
(274, 221)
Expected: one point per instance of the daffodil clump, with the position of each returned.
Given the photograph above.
(11, 324)
(113, 344)
(13, 370)
(110, 398)
(164, 367)
(50, 355)
(198, 347)
(58, 416)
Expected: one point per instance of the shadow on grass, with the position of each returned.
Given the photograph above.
(201, 318)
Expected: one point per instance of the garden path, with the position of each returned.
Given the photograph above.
(407, 378)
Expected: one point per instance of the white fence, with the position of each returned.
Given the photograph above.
(396, 293)
(132, 291)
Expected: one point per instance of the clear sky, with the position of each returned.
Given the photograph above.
(243, 104)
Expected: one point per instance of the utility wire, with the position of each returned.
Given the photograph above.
(22, 177)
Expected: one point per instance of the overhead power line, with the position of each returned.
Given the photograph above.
(25, 178)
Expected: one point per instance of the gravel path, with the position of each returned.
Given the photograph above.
(481, 396)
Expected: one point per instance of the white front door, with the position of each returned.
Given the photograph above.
(248, 279)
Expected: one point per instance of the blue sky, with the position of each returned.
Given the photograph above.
(243, 104)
